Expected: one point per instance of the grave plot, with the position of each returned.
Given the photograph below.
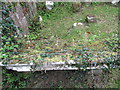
(86, 38)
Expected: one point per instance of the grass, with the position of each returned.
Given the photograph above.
(105, 27)
(58, 34)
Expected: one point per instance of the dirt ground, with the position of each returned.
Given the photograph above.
(0, 77)
(68, 79)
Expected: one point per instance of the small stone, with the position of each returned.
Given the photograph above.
(80, 23)
(28, 41)
(115, 2)
(105, 66)
(40, 19)
(49, 5)
(91, 19)
(75, 24)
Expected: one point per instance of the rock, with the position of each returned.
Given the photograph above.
(80, 23)
(40, 19)
(49, 5)
(41, 22)
(77, 24)
(91, 19)
(115, 2)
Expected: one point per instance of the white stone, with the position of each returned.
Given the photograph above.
(90, 17)
(31, 63)
(20, 69)
(3, 54)
(58, 62)
(80, 23)
(28, 41)
(115, 2)
(1, 64)
(75, 24)
(71, 62)
(49, 4)
(105, 66)
(40, 19)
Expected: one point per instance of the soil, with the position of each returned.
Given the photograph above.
(68, 79)
(0, 77)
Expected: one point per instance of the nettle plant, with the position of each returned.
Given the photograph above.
(10, 44)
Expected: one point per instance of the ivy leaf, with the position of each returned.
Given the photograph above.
(16, 46)
(7, 42)
(4, 12)
(11, 47)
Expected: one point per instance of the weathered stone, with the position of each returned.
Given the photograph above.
(115, 2)
(91, 19)
(77, 24)
(32, 9)
(49, 5)
(20, 20)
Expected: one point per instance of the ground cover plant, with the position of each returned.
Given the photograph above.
(57, 39)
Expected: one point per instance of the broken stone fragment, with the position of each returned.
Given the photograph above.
(40, 19)
(76, 24)
(49, 5)
(115, 2)
(91, 19)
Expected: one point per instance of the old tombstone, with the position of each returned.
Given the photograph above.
(20, 20)
(32, 9)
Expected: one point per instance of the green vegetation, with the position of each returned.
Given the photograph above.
(114, 79)
(58, 35)
(57, 40)
(10, 42)
(14, 80)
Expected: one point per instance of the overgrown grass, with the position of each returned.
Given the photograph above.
(103, 29)
(58, 33)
